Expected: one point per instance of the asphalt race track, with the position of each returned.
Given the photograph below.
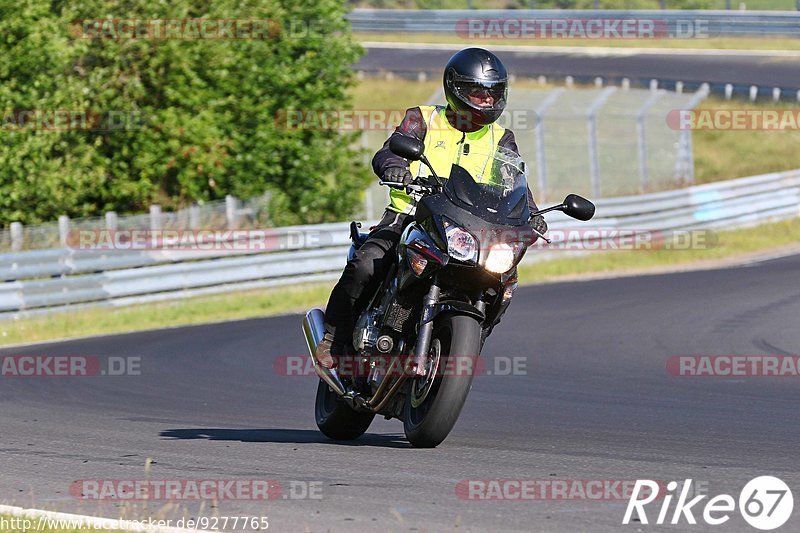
(740, 69)
(597, 403)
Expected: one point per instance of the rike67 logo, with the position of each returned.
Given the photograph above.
(765, 503)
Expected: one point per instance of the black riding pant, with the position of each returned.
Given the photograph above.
(363, 275)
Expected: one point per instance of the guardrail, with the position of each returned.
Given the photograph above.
(673, 22)
(45, 281)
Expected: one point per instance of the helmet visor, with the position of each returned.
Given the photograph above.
(481, 93)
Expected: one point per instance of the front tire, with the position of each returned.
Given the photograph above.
(335, 418)
(430, 416)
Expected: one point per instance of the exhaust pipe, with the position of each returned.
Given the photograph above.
(314, 330)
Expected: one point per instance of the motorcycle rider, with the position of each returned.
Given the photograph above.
(463, 132)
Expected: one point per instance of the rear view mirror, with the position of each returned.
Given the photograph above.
(577, 207)
(406, 147)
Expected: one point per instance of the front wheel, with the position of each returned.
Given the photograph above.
(335, 418)
(434, 403)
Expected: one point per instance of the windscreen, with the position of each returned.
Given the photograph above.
(493, 183)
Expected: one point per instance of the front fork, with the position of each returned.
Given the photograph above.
(425, 332)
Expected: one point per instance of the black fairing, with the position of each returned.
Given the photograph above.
(480, 200)
(421, 241)
(469, 206)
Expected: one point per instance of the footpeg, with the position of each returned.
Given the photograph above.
(356, 401)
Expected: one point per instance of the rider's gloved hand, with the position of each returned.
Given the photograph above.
(398, 175)
(539, 224)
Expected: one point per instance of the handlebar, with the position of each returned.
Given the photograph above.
(414, 186)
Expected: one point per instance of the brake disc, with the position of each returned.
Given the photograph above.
(420, 387)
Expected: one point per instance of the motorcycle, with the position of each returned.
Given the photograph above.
(416, 344)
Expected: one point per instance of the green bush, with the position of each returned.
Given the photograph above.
(200, 113)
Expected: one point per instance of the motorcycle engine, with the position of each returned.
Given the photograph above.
(365, 334)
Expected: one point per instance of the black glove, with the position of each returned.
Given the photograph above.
(398, 175)
(539, 224)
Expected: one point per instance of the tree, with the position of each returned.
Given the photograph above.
(94, 120)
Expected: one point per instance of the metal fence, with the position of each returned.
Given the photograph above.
(62, 279)
(221, 214)
(453, 21)
(599, 142)
(773, 5)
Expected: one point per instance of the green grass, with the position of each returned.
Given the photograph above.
(270, 302)
(231, 306)
(721, 43)
(720, 155)
(399, 93)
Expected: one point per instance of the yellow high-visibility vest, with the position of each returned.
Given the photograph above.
(444, 147)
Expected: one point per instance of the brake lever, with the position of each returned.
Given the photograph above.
(541, 235)
(433, 183)
(417, 187)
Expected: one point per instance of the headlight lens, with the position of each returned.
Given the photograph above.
(417, 262)
(461, 244)
(501, 257)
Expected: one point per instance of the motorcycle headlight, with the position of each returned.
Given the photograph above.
(461, 244)
(417, 262)
(501, 257)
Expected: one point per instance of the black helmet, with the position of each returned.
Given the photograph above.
(478, 72)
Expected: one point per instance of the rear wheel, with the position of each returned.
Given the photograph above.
(335, 418)
(434, 403)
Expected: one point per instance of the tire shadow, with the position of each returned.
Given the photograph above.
(284, 436)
